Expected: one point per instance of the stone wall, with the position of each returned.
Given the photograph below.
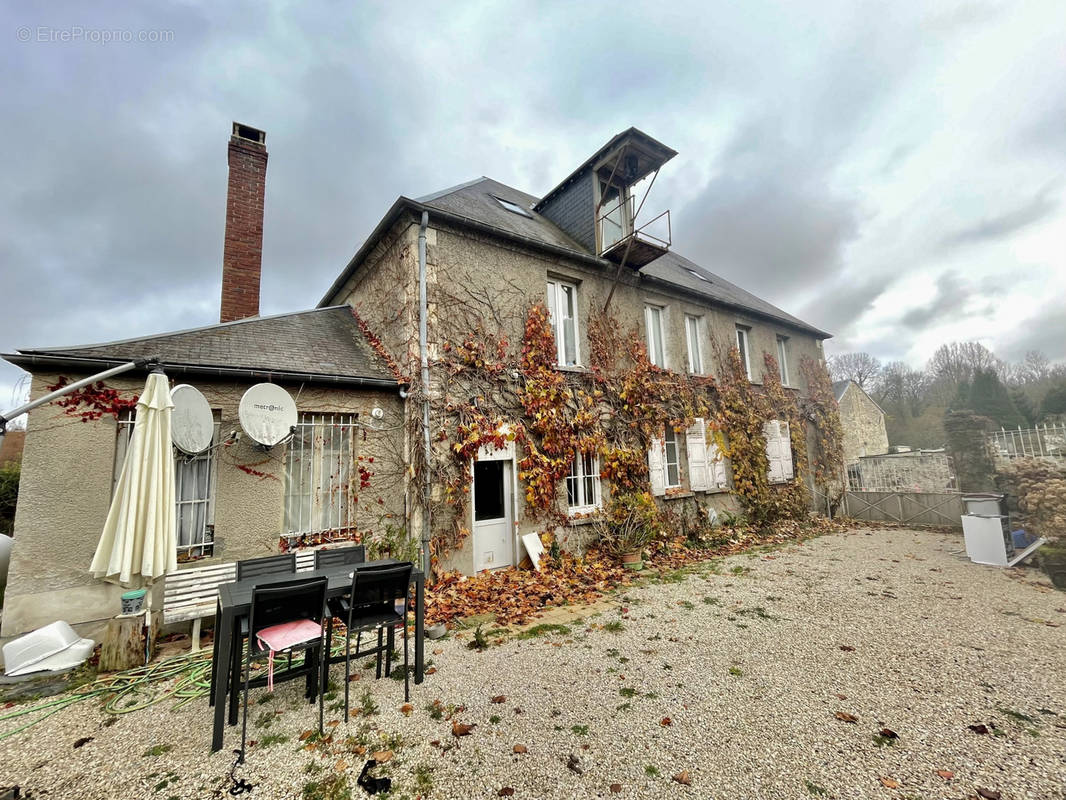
(864, 425)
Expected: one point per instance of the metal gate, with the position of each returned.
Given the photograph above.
(907, 508)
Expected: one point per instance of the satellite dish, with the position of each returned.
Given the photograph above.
(267, 413)
(192, 425)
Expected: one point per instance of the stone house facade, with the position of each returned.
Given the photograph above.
(863, 422)
(499, 267)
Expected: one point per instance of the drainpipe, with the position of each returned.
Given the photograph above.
(423, 347)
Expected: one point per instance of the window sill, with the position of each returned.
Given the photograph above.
(574, 368)
(722, 490)
(677, 493)
(587, 517)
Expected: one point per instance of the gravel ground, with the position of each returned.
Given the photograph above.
(734, 674)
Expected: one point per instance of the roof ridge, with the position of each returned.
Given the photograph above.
(429, 198)
(168, 334)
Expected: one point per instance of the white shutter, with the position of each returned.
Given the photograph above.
(785, 452)
(716, 467)
(696, 447)
(656, 466)
(773, 451)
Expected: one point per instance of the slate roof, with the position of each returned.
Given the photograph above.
(839, 387)
(475, 201)
(324, 344)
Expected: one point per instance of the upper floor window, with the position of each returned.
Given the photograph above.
(694, 333)
(614, 215)
(194, 492)
(743, 345)
(562, 308)
(653, 324)
(318, 470)
(583, 484)
(782, 358)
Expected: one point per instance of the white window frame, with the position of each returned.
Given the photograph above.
(654, 321)
(694, 336)
(201, 540)
(513, 207)
(782, 358)
(778, 451)
(707, 469)
(320, 503)
(556, 293)
(659, 462)
(583, 493)
(744, 346)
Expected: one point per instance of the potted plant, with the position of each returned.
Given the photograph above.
(627, 525)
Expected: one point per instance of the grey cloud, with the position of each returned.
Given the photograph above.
(998, 226)
(1045, 331)
(950, 295)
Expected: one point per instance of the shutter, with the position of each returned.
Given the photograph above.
(785, 452)
(773, 451)
(716, 467)
(656, 465)
(696, 448)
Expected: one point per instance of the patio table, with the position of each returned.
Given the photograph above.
(235, 601)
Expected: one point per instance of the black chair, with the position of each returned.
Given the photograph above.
(247, 569)
(370, 606)
(271, 565)
(340, 557)
(302, 599)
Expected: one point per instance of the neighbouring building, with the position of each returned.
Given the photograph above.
(863, 422)
(545, 319)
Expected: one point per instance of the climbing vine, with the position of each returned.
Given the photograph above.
(94, 401)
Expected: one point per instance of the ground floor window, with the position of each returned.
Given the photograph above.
(194, 491)
(583, 484)
(318, 471)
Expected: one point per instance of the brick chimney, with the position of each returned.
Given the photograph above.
(242, 255)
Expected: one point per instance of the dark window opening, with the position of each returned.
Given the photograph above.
(488, 490)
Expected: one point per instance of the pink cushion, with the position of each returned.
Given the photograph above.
(287, 634)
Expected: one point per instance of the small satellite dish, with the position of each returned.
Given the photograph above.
(267, 413)
(192, 425)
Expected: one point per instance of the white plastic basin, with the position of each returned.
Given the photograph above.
(53, 647)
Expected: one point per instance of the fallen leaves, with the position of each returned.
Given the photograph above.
(406, 709)
(574, 764)
(988, 794)
(520, 749)
(946, 774)
(341, 765)
(666, 722)
(847, 648)
(381, 756)
(506, 791)
(84, 740)
(499, 699)
(844, 716)
(684, 778)
(980, 728)
(890, 783)
(888, 733)
(616, 788)
(461, 729)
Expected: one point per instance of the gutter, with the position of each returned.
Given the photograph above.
(27, 360)
(423, 348)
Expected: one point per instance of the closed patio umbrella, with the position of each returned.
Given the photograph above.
(138, 541)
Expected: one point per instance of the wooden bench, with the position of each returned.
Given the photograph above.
(191, 594)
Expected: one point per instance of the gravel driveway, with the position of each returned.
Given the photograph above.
(734, 678)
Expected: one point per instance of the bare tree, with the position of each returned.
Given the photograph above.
(862, 368)
(903, 386)
(957, 362)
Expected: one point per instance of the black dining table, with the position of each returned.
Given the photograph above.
(235, 601)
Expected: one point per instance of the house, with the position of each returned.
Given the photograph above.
(863, 422)
(498, 363)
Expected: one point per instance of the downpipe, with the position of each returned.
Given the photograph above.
(423, 347)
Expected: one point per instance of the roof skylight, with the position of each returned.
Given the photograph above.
(513, 207)
(695, 274)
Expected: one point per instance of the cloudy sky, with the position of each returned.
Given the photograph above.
(891, 172)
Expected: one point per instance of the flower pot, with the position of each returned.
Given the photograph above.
(133, 602)
(633, 560)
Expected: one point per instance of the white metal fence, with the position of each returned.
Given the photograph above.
(903, 472)
(1043, 441)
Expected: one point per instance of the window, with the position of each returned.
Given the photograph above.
(695, 274)
(318, 470)
(513, 207)
(693, 331)
(562, 309)
(194, 492)
(706, 466)
(615, 213)
(778, 451)
(743, 347)
(782, 358)
(653, 324)
(664, 468)
(583, 484)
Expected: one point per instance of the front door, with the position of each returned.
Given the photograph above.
(492, 515)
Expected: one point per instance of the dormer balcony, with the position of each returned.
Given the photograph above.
(635, 248)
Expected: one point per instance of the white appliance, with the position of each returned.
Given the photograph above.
(987, 541)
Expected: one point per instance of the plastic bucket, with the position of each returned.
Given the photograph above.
(132, 602)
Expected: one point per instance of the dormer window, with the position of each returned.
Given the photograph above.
(615, 219)
(514, 208)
